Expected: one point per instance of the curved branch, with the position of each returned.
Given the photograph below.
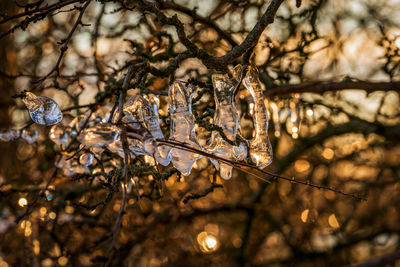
(320, 87)
(37, 14)
(381, 261)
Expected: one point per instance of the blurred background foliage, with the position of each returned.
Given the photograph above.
(339, 60)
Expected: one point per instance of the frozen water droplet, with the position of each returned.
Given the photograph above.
(99, 135)
(182, 126)
(135, 147)
(71, 166)
(139, 109)
(9, 135)
(29, 135)
(102, 114)
(59, 135)
(226, 117)
(77, 124)
(42, 109)
(225, 171)
(86, 159)
(260, 146)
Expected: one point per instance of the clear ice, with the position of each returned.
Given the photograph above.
(138, 109)
(135, 147)
(42, 109)
(58, 134)
(71, 166)
(99, 135)
(9, 135)
(182, 126)
(226, 117)
(86, 159)
(259, 146)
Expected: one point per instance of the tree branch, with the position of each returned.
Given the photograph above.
(252, 38)
(381, 261)
(320, 87)
(65, 42)
(196, 17)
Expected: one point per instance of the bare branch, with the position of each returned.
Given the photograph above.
(381, 261)
(320, 87)
(65, 42)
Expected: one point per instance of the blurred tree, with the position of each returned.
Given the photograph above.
(330, 70)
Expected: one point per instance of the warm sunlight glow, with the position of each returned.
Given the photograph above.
(397, 42)
(22, 202)
(211, 242)
(333, 222)
(304, 215)
(328, 153)
(149, 160)
(251, 108)
(207, 242)
(301, 165)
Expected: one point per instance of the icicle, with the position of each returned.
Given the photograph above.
(139, 109)
(260, 146)
(226, 117)
(9, 135)
(42, 109)
(99, 135)
(29, 136)
(182, 126)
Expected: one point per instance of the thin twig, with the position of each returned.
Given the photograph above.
(65, 42)
(126, 162)
(250, 169)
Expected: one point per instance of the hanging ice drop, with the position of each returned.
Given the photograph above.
(182, 126)
(42, 109)
(139, 109)
(260, 146)
(226, 117)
